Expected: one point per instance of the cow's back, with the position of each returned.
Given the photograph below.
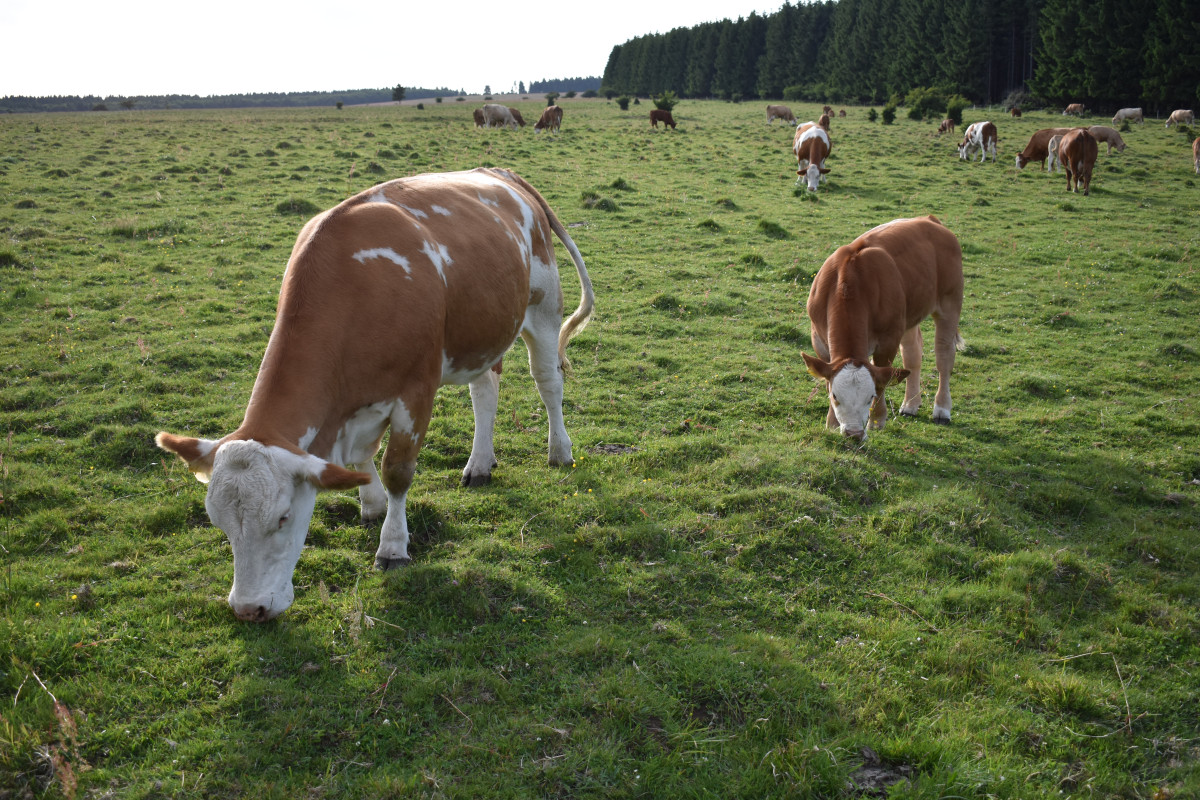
(928, 259)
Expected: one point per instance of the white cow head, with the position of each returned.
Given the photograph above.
(855, 392)
(262, 497)
(814, 174)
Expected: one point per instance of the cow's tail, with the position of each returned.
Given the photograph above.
(587, 300)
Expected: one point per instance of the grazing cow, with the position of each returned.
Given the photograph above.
(1131, 114)
(979, 136)
(412, 284)
(1181, 116)
(826, 110)
(1077, 153)
(947, 126)
(1196, 155)
(867, 301)
(811, 147)
(823, 121)
(1038, 147)
(479, 119)
(1014, 112)
(516, 115)
(1109, 136)
(842, 112)
(550, 120)
(1073, 108)
(1052, 153)
(658, 115)
(780, 112)
(497, 116)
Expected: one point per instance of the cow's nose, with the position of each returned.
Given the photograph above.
(251, 613)
(855, 433)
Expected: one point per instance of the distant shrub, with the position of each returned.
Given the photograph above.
(590, 93)
(437, 99)
(666, 101)
(623, 102)
(954, 108)
(570, 94)
(924, 103)
(420, 106)
(872, 115)
(889, 114)
(99, 107)
(340, 104)
(460, 99)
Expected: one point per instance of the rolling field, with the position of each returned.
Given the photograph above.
(721, 599)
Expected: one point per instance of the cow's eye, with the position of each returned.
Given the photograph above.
(284, 519)
(834, 396)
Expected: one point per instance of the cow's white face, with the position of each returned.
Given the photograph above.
(263, 500)
(852, 392)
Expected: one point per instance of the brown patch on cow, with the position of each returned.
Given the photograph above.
(536, 296)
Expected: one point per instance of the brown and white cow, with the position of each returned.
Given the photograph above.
(811, 146)
(780, 112)
(497, 116)
(1109, 136)
(1077, 153)
(826, 109)
(1131, 114)
(824, 121)
(842, 112)
(551, 119)
(1037, 148)
(1073, 108)
(658, 115)
(1181, 116)
(516, 115)
(1196, 154)
(1052, 153)
(415, 283)
(979, 136)
(867, 301)
(946, 126)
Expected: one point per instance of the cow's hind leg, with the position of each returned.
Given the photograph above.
(911, 345)
(541, 338)
(485, 400)
(409, 425)
(946, 342)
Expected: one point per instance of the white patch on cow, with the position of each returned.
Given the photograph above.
(459, 377)
(359, 435)
(307, 438)
(445, 212)
(439, 255)
(487, 201)
(383, 252)
(416, 212)
(378, 197)
(887, 225)
(852, 391)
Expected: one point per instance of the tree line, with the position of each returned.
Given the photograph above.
(19, 103)
(1104, 53)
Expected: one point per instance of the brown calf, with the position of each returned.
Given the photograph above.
(657, 115)
(1037, 149)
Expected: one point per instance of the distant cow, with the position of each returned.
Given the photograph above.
(842, 112)
(497, 116)
(1077, 153)
(517, 116)
(550, 120)
(1196, 155)
(811, 147)
(658, 115)
(978, 136)
(1038, 147)
(824, 121)
(1073, 108)
(1131, 114)
(1052, 153)
(1014, 111)
(479, 118)
(826, 110)
(780, 112)
(1181, 117)
(1109, 136)
(947, 126)
(410, 285)
(867, 301)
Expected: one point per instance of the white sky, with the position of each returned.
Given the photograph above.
(138, 47)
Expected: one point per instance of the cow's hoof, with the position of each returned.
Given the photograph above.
(904, 413)
(386, 564)
(477, 480)
(941, 420)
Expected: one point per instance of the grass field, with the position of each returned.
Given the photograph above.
(721, 599)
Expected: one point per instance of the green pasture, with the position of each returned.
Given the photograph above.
(721, 599)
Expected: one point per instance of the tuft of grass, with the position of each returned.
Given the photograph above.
(772, 230)
(297, 206)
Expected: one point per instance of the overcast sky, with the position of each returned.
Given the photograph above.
(135, 47)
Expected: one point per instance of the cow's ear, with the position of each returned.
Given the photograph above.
(196, 453)
(822, 170)
(817, 367)
(326, 475)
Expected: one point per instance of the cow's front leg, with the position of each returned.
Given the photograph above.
(409, 426)
(911, 345)
(485, 400)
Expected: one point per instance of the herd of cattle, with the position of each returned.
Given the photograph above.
(1074, 149)
(428, 280)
